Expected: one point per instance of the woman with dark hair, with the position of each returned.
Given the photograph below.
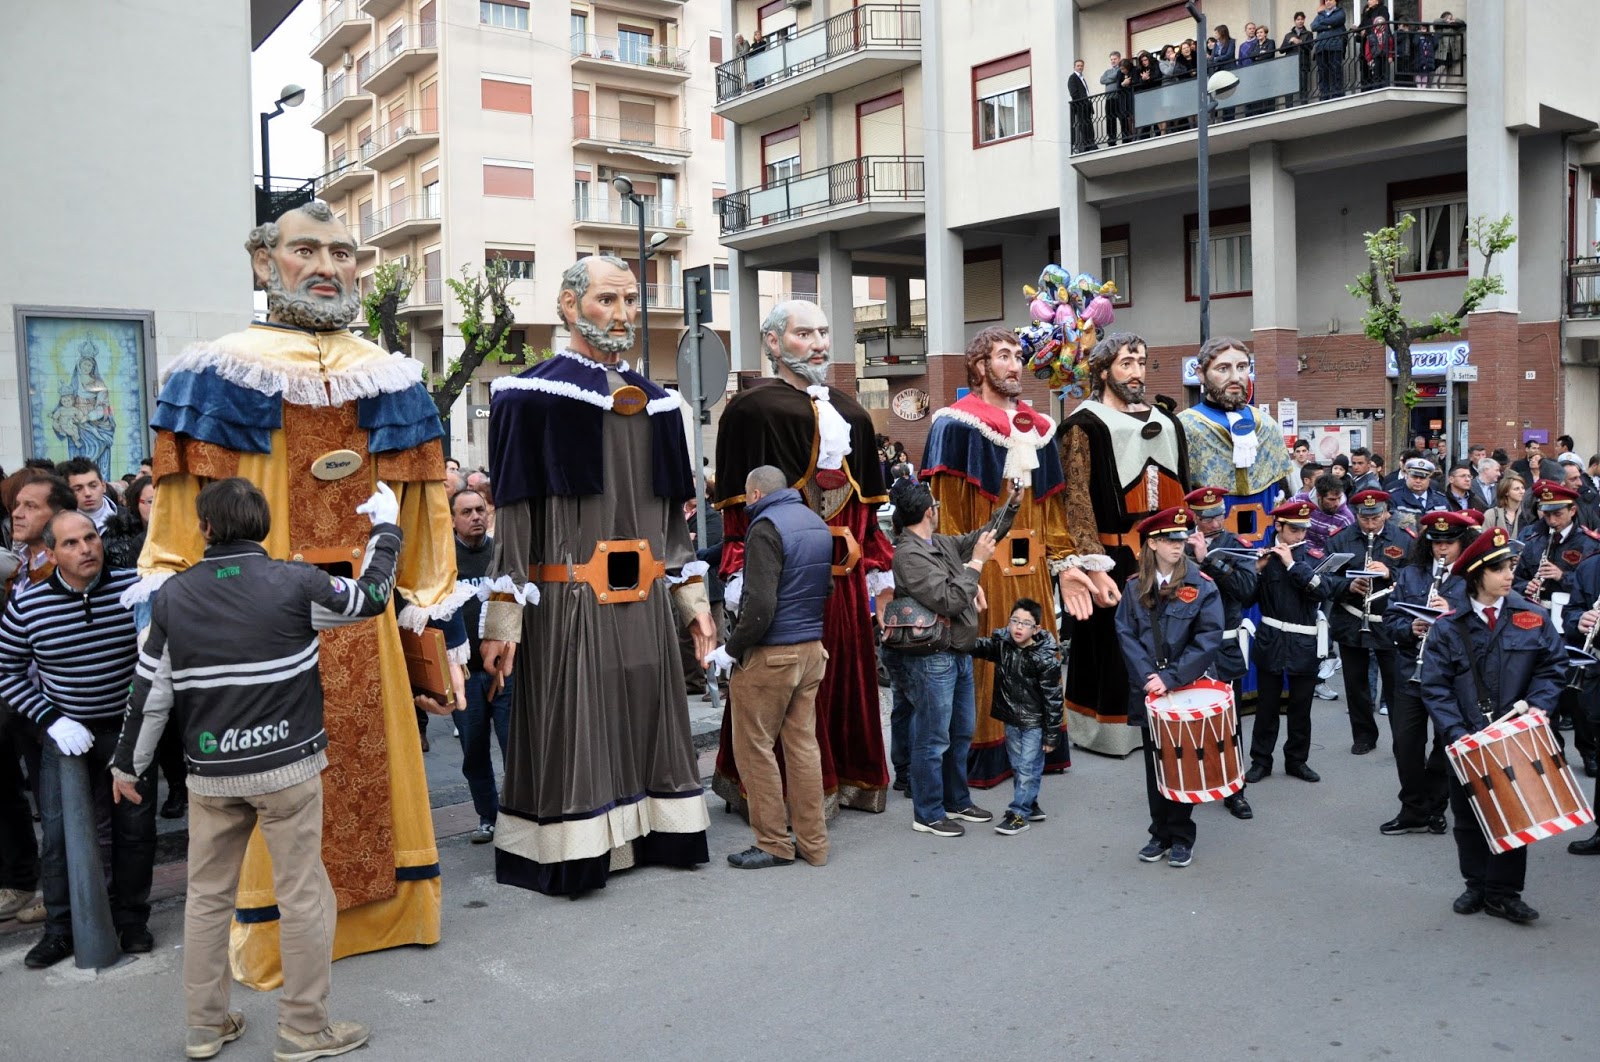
(1121, 101)
(1425, 580)
(940, 573)
(1507, 511)
(1481, 663)
(125, 530)
(1169, 624)
(1146, 75)
(1223, 56)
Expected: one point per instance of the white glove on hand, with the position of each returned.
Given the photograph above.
(720, 660)
(383, 507)
(732, 591)
(70, 736)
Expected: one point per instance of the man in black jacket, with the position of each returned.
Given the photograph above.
(1211, 546)
(1356, 618)
(776, 656)
(481, 712)
(250, 698)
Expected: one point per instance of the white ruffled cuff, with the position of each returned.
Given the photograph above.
(145, 588)
(460, 654)
(689, 571)
(526, 594)
(1089, 562)
(878, 582)
(414, 618)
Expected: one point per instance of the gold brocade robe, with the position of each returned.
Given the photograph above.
(378, 842)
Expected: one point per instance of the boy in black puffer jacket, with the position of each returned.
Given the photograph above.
(1027, 699)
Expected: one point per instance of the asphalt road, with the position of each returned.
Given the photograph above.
(1301, 935)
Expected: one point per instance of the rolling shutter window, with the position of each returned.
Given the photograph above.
(638, 122)
(985, 300)
(507, 96)
(515, 182)
(1009, 81)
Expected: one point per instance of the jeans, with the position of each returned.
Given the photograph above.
(473, 724)
(132, 857)
(900, 714)
(943, 716)
(1025, 750)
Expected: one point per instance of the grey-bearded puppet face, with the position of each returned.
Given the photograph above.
(1226, 378)
(306, 263)
(796, 335)
(599, 301)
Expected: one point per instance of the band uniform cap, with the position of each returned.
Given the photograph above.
(1569, 458)
(1487, 548)
(1442, 525)
(1419, 466)
(1206, 501)
(1176, 522)
(1554, 495)
(1370, 501)
(1297, 513)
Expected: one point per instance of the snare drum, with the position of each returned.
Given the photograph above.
(1519, 785)
(1193, 731)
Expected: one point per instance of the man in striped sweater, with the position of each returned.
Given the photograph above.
(82, 642)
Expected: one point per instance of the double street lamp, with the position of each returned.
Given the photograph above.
(625, 190)
(1217, 86)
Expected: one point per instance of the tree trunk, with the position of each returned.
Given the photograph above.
(1399, 414)
(389, 323)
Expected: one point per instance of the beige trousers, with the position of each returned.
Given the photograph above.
(773, 699)
(291, 825)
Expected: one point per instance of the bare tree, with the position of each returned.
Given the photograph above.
(391, 287)
(1385, 319)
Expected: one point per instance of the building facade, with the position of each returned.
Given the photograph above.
(460, 131)
(991, 164)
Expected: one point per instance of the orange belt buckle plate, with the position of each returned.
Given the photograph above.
(619, 571)
(1018, 553)
(845, 540)
(336, 560)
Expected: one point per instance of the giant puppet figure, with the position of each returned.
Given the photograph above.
(1124, 459)
(822, 440)
(976, 448)
(592, 576)
(316, 417)
(1232, 444)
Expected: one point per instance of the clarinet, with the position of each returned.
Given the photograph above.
(1549, 558)
(1366, 599)
(1576, 681)
(1422, 643)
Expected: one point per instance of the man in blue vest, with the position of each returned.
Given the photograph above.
(776, 656)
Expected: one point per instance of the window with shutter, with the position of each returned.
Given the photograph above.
(511, 96)
(511, 180)
(985, 288)
(637, 122)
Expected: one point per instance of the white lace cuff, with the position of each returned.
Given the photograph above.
(878, 582)
(692, 570)
(145, 588)
(1089, 562)
(460, 654)
(415, 618)
(526, 594)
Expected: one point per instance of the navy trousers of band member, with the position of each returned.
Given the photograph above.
(1358, 689)
(1498, 874)
(1424, 789)
(1264, 735)
(1171, 822)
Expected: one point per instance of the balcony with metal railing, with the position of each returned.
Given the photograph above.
(850, 193)
(1583, 287)
(851, 48)
(344, 176)
(596, 213)
(666, 144)
(341, 29)
(664, 297)
(342, 102)
(1281, 95)
(401, 136)
(891, 351)
(402, 219)
(406, 49)
(635, 54)
(379, 8)
(426, 298)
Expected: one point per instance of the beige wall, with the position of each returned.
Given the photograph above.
(1542, 55)
(1104, 28)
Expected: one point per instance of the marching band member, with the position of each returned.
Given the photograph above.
(1169, 625)
(1478, 663)
(1425, 580)
(1236, 580)
(1356, 619)
(1582, 616)
(1293, 637)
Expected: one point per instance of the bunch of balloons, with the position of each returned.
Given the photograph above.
(1068, 313)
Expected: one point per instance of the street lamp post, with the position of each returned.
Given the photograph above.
(624, 189)
(290, 96)
(1202, 149)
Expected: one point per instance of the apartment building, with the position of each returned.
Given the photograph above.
(460, 131)
(985, 168)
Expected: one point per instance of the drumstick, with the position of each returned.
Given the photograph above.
(1515, 710)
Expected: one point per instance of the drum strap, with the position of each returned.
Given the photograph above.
(1481, 687)
(1163, 651)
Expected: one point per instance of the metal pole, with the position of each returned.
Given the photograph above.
(94, 937)
(266, 153)
(697, 399)
(1202, 150)
(644, 311)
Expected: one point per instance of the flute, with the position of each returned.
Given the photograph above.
(1422, 643)
(1576, 681)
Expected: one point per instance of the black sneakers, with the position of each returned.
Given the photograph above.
(1036, 813)
(51, 949)
(1182, 855)
(1511, 908)
(939, 828)
(970, 813)
(1400, 825)
(1011, 823)
(1152, 852)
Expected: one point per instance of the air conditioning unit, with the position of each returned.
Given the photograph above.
(404, 130)
(347, 61)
